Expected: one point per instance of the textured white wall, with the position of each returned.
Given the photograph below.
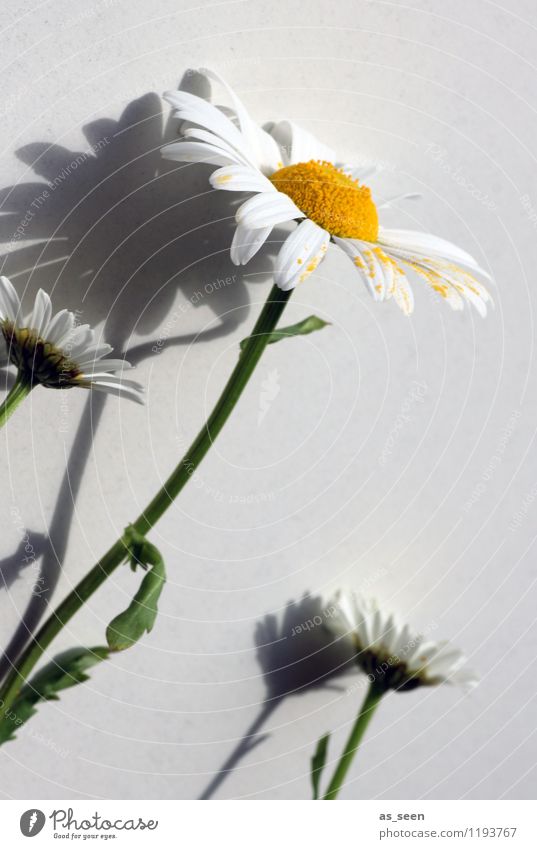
(329, 489)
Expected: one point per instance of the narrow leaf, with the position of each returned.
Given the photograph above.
(302, 328)
(317, 764)
(139, 617)
(66, 670)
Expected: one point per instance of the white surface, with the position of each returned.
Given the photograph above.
(441, 94)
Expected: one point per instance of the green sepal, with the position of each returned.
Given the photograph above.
(139, 617)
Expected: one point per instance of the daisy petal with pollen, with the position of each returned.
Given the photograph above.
(300, 254)
(54, 351)
(371, 270)
(238, 178)
(427, 245)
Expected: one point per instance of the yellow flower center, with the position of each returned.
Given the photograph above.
(330, 198)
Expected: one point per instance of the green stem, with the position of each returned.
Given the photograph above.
(18, 392)
(371, 702)
(233, 389)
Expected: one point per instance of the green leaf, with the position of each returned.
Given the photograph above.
(139, 617)
(317, 763)
(302, 328)
(66, 670)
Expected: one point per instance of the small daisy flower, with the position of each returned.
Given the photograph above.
(55, 351)
(294, 177)
(392, 654)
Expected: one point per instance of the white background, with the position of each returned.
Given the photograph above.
(350, 478)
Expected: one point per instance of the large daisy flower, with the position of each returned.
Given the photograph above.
(294, 177)
(391, 653)
(55, 351)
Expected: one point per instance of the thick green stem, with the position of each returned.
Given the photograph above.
(371, 702)
(233, 389)
(18, 392)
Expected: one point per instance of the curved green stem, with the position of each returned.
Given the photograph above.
(18, 392)
(233, 389)
(371, 702)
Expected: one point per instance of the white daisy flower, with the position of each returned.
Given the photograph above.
(294, 177)
(391, 653)
(55, 351)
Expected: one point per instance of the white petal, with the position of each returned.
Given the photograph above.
(80, 342)
(9, 300)
(388, 203)
(89, 363)
(41, 313)
(197, 134)
(196, 110)
(185, 151)
(103, 378)
(246, 243)
(263, 148)
(359, 172)
(266, 210)
(238, 178)
(299, 145)
(134, 393)
(300, 254)
(94, 353)
(60, 327)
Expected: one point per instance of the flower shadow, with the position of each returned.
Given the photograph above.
(114, 232)
(296, 655)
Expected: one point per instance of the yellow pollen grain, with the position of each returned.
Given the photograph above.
(224, 178)
(330, 198)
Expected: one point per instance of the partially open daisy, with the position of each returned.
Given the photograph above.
(55, 351)
(394, 658)
(392, 654)
(294, 177)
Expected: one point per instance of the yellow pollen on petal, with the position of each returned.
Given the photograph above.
(330, 198)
